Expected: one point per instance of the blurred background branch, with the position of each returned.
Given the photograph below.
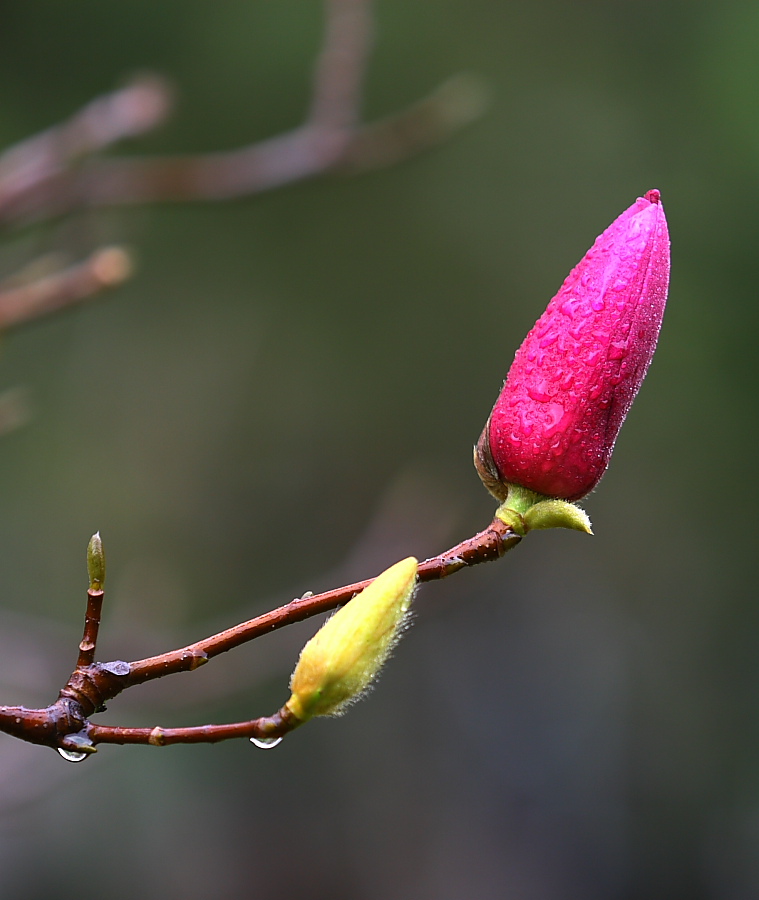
(52, 174)
(41, 296)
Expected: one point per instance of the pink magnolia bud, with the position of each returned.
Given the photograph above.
(576, 375)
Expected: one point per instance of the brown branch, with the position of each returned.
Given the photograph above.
(267, 730)
(91, 627)
(487, 545)
(105, 268)
(65, 724)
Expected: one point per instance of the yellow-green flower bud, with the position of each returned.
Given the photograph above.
(342, 659)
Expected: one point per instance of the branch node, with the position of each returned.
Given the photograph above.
(156, 738)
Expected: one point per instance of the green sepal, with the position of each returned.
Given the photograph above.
(512, 518)
(557, 514)
(523, 510)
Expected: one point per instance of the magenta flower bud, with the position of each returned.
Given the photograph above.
(576, 375)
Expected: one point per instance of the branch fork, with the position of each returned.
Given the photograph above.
(65, 725)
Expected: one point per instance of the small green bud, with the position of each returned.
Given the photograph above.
(96, 562)
(342, 659)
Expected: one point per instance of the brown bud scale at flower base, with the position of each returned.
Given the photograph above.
(576, 375)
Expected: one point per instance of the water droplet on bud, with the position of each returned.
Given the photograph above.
(539, 393)
(548, 340)
(618, 350)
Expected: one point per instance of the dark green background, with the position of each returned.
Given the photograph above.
(285, 398)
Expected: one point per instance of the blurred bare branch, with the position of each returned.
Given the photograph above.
(332, 138)
(105, 268)
(430, 121)
(340, 68)
(30, 170)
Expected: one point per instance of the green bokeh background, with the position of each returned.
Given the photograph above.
(285, 398)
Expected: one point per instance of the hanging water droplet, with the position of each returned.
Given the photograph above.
(597, 305)
(266, 743)
(72, 755)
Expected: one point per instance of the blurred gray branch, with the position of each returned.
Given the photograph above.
(56, 173)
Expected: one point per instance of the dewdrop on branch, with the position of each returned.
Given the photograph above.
(573, 380)
(340, 662)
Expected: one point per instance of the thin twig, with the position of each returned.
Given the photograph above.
(487, 545)
(105, 268)
(89, 640)
(266, 729)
